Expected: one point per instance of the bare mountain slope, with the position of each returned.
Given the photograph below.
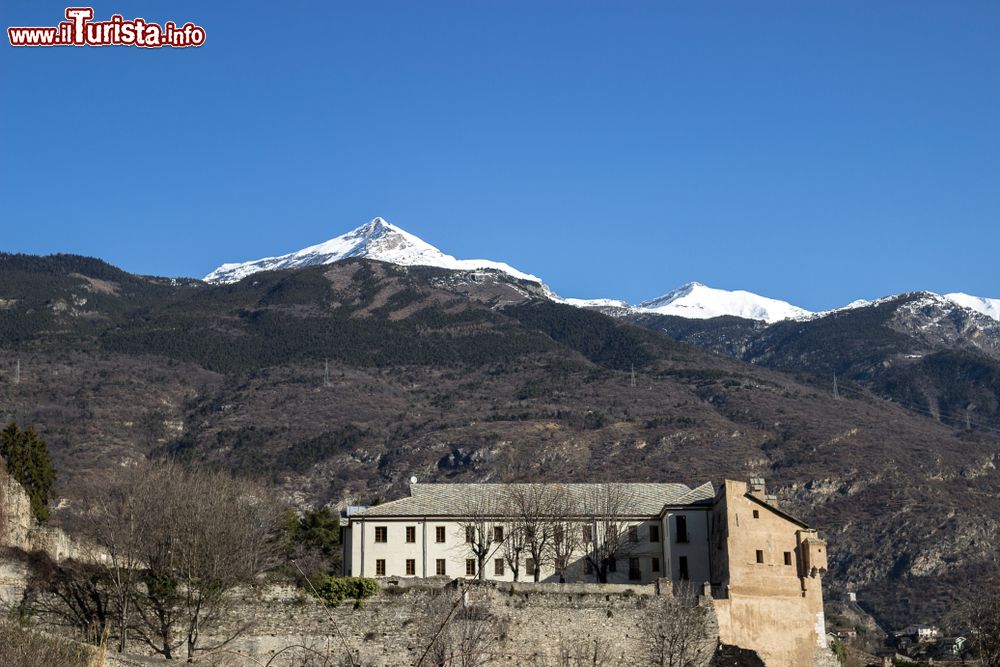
(473, 376)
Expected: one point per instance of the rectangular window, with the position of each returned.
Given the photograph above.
(529, 567)
(380, 567)
(654, 564)
(411, 567)
(682, 568)
(498, 567)
(634, 573)
(756, 514)
(470, 567)
(682, 529)
(654, 533)
(470, 534)
(381, 534)
(633, 533)
(788, 558)
(557, 534)
(439, 534)
(439, 569)
(498, 533)
(411, 534)
(588, 533)
(760, 556)
(612, 565)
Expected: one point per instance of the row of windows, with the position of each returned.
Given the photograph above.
(787, 556)
(500, 567)
(440, 567)
(382, 533)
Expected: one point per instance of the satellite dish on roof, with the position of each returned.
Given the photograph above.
(413, 480)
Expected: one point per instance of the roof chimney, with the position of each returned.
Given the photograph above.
(758, 489)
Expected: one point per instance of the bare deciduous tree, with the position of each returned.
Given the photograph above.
(204, 535)
(606, 526)
(460, 630)
(567, 538)
(481, 516)
(983, 621)
(71, 594)
(115, 523)
(677, 630)
(512, 549)
(533, 508)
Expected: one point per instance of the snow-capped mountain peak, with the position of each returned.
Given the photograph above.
(697, 301)
(988, 307)
(379, 240)
(383, 241)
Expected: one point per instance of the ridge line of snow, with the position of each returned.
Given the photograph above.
(377, 239)
(381, 240)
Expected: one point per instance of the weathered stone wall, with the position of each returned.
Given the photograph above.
(536, 622)
(20, 532)
(16, 521)
(18, 528)
(13, 579)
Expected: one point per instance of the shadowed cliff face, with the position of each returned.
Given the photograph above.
(473, 376)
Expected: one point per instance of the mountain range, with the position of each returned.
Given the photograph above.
(937, 355)
(383, 241)
(336, 378)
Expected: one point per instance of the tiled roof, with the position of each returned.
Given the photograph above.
(702, 494)
(454, 499)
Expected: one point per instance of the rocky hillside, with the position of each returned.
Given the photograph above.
(920, 350)
(339, 382)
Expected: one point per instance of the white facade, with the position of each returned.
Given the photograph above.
(453, 557)
(393, 540)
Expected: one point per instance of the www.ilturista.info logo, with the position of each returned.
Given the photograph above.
(81, 30)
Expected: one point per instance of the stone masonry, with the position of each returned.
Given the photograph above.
(536, 622)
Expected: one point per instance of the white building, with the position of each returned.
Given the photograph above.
(919, 633)
(664, 533)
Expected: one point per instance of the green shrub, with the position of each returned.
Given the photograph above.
(334, 590)
(312, 544)
(839, 650)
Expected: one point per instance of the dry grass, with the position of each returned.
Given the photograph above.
(22, 647)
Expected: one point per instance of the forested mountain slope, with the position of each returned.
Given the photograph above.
(474, 376)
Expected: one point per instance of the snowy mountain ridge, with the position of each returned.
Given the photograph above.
(381, 240)
(378, 240)
(697, 301)
(988, 307)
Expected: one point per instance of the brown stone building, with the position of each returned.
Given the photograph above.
(766, 569)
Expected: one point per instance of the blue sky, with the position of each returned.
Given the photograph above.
(812, 151)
